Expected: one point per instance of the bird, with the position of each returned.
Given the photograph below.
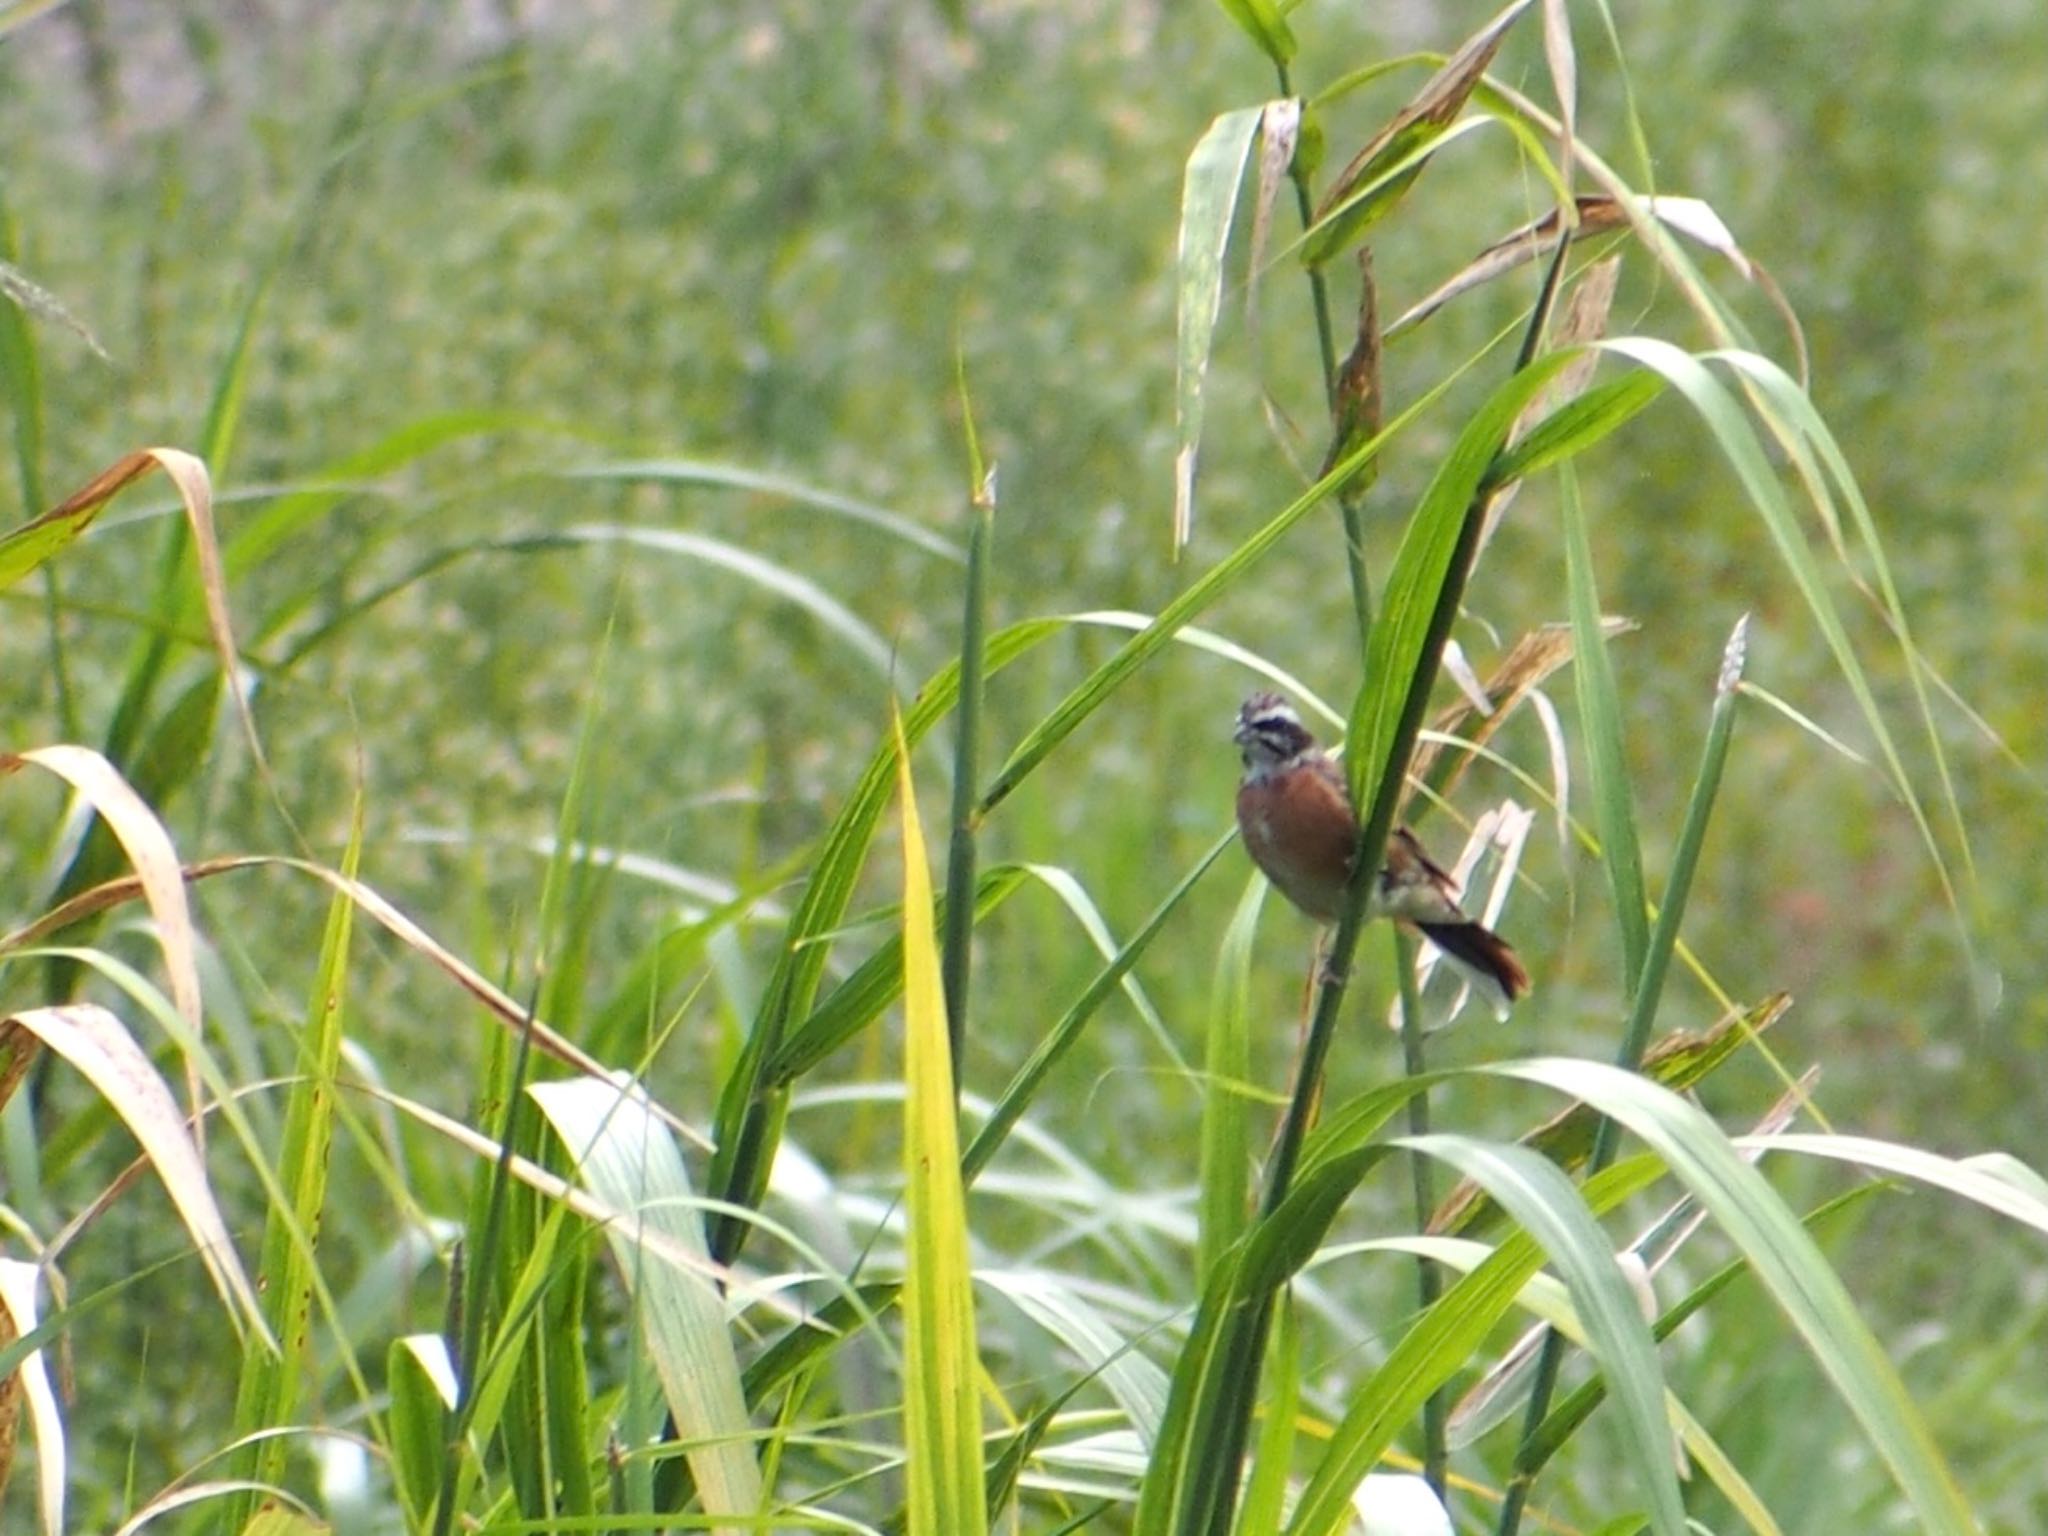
(1295, 815)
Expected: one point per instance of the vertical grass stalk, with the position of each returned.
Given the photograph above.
(957, 944)
(1535, 1448)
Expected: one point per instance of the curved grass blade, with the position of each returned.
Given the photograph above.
(626, 1158)
(1208, 203)
(1061, 1037)
(1787, 1261)
(733, 477)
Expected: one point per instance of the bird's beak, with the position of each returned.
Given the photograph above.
(1242, 734)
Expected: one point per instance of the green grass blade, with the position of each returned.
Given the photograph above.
(1547, 1205)
(1060, 1038)
(1787, 1261)
(1607, 766)
(748, 1114)
(1684, 862)
(956, 958)
(941, 1402)
(1442, 1342)
(1265, 1495)
(1095, 690)
(1422, 564)
(1225, 1204)
(626, 1157)
(1723, 417)
(1208, 202)
(268, 1392)
(1264, 23)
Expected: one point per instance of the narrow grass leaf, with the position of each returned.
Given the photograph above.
(1057, 1041)
(268, 1392)
(941, 1367)
(956, 957)
(1208, 203)
(1442, 1342)
(1576, 426)
(1547, 1205)
(1600, 720)
(1065, 1314)
(1787, 1261)
(749, 1109)
(1265, 1494)
(1225, 1205)
(733, 477)
(1422, 563)
(626, 1158)
(1718, 409)
(1685, 860)
(778, 580)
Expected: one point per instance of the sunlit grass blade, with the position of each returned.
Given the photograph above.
(1442, 1342)
(626, 1158)
(1208, 204)
(100, 1047)
(1547, 1205)
(1600, 725)
(941, 1401)
(1738, 443)
(1787, 1261)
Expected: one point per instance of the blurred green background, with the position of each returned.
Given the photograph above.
(549, 237)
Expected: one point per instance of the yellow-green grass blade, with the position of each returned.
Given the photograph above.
(941, 1366)
(1787, 1261)
(267, 1395)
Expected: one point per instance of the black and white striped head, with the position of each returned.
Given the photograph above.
(1269, 733)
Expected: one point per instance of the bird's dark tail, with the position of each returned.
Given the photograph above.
(1483, 958)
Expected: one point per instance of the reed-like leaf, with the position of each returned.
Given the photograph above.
(941, 1367)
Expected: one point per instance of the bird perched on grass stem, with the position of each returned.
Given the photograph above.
(1294, 811)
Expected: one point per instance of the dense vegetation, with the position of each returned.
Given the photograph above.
(594, 408)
